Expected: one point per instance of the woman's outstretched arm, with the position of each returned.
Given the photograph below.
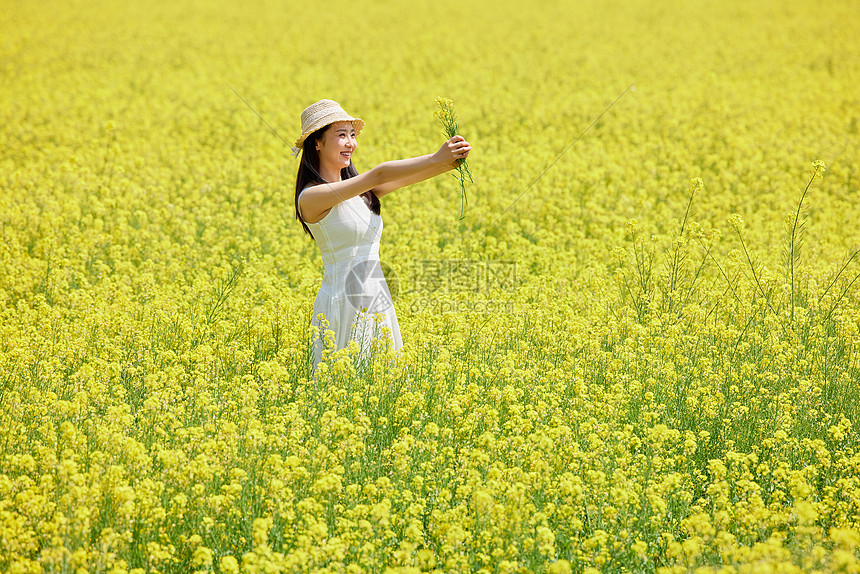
(386, 188)
(317, 200)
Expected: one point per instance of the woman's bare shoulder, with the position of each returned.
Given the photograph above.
(319, 217)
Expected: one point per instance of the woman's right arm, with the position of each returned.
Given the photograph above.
(315, 201)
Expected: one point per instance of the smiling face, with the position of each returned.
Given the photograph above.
(336, 146)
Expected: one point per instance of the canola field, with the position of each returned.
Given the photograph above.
(642, 359)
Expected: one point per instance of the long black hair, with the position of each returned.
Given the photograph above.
(309, 174)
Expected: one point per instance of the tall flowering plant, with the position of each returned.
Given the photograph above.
(445, 114)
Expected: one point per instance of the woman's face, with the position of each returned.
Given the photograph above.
(337, 145)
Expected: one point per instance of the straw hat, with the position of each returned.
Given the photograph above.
(321, 114)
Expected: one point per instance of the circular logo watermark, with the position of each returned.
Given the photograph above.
(367, 288)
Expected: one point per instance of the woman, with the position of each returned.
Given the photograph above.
(340, 209)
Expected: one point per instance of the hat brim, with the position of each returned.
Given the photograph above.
(357, 123)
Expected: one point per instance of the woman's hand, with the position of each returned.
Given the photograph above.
(454, 149)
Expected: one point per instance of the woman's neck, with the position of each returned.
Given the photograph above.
(329, 174)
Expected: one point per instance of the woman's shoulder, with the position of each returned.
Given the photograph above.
(299, 203)
(325, 213)
(304, 189)
(309, 185)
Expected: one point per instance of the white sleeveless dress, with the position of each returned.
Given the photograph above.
(354, 297)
